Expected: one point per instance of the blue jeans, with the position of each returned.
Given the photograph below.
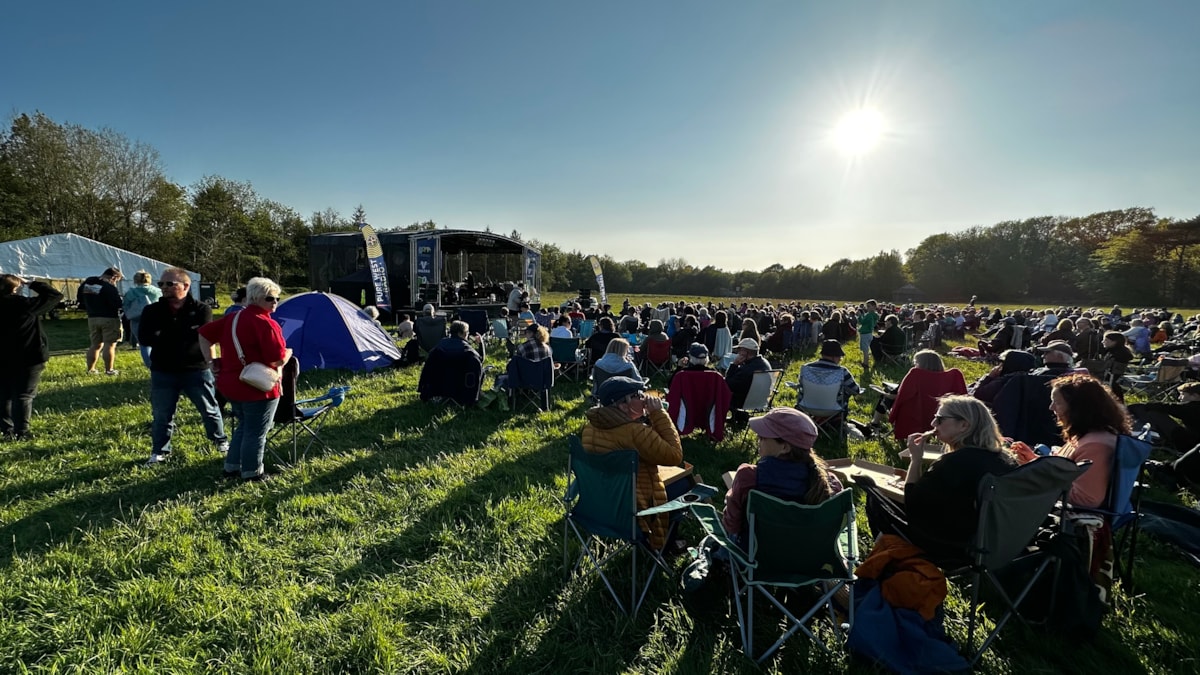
(134, 325)
(199, 387)
(254, 421)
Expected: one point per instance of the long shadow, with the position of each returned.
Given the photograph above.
(519, 474)
(97, 393)
(61, 521)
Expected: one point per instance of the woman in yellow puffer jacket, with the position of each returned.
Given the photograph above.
(628, 419)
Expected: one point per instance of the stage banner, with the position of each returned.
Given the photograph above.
(378, 267)
(599, 279)
(532, 258)
(425, 253)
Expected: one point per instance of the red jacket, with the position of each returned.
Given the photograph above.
(262, 341)
(916, 400)
(699, 399)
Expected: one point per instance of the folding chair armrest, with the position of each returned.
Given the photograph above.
(710, 520)
(698, 493)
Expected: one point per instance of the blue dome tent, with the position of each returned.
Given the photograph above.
(327, 331)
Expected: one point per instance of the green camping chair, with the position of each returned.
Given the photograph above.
(601, 508)
(790, 545)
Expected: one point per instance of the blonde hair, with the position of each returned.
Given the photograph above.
(982, 431)
(141, 278)
(618, 346)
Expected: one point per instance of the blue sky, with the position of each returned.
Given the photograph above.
(645, 130)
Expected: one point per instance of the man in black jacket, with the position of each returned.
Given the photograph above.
(102, 301)
(23, 345)
(177, 364)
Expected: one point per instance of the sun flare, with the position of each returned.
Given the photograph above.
(858, 131)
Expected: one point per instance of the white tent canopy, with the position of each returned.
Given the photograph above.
(71, 257)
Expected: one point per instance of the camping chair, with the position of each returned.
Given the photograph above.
(586, 328)
(307, 415)
(430, 330)
(1122, 503)
(657, 357)
(1161, 382)
(476, 320)
(763, 386)
(789, 545)
(600, 504)
(566, 354)
(1012, 508)
(456, 377)
(529, 382)
(818, 398)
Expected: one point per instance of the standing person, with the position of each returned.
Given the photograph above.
(238, 298)
(866, 332)
(102, 301)
(136, 300)
(24, 349)
(261, 341)
(178, 363)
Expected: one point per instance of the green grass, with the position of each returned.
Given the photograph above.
(427, 540)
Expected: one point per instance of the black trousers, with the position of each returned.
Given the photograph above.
(18, 387)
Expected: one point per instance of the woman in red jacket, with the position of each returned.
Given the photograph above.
(261, 341)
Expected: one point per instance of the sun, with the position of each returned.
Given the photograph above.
(858, 131)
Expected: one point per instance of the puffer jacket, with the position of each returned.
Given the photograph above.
(908, 579)
(657, 444)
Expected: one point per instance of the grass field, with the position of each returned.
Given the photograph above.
(428, 539)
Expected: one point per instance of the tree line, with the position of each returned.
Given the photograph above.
(61, 177)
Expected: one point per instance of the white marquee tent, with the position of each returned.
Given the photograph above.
(72, 258)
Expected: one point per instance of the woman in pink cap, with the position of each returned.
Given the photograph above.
(787, 468)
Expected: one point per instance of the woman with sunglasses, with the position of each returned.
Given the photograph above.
(939, 514)
(261, 340)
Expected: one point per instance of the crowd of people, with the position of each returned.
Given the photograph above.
(1066, 362)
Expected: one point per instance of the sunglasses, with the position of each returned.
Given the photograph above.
(938, 419)
(170, 284)
(271, 298)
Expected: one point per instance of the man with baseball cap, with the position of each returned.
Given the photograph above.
(741, 373)
(629, 419)
(787, 467)
(1057, 359)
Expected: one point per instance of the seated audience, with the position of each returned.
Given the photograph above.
(741, 374)
(684, 337)
(629, 419)
(917, 398)
(787, 468)
(940, 511)
(597, 344)
(1176, 423)
(562, 327)
(891, 342)
(1012, 362)
(536, 346)
(615, 362)
(827, 382)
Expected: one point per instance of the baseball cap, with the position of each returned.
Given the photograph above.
(617, 388)
(788, 424)
(748, 343)
(1058, 345)
(698, 353)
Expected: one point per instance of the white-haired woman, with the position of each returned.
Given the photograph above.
(136, 300)
(261, 340)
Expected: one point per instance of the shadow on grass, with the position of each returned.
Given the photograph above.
(98, 391)
(61, 521)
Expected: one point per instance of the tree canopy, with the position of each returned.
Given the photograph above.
(60, 177)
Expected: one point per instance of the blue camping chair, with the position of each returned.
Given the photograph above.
(1123, 500)
(601, 511)
(586, 328)
(788, 545)
(307, 415)
(566, 355)
(529, 382)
